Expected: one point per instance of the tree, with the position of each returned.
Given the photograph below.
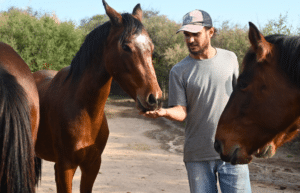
(279, 26)
(147, 14)
(41, 41)
(88, 24)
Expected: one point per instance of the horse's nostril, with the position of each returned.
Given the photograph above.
(217, 146)
(152, 100)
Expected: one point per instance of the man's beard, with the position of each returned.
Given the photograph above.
(199, 52)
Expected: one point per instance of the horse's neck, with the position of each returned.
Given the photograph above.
(93, 90)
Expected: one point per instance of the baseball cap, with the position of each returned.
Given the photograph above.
(195, 20)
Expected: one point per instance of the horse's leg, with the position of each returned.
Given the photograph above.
(91, 166)
(89, 172)
(64, 174)
(56, 178)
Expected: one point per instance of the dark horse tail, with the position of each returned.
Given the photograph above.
(17, 160)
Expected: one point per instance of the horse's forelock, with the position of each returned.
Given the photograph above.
(131, 26)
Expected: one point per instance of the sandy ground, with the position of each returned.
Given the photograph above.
(145, 156)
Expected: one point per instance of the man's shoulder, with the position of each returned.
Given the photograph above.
(181, 64)
(226, 53)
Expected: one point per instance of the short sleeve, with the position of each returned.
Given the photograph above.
(177, 90)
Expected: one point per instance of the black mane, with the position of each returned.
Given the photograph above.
(289, 48)
(95, 40)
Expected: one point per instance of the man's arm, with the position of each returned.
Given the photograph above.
(176, 113)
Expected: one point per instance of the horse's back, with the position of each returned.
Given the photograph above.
(44, 74)
(43, 78)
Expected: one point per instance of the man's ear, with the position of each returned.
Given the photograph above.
(211, 32)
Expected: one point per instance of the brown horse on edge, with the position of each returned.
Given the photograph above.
(264, 109)
(73, 128)
(19, 120)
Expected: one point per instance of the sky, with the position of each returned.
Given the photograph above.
(235, 11)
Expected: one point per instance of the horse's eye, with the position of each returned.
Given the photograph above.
(242, 85)
(126, 48)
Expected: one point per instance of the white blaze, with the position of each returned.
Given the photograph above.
(144, 44)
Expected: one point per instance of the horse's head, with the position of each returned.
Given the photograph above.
(128, 58)
(263, 107)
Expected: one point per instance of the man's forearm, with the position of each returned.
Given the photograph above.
(176, 113)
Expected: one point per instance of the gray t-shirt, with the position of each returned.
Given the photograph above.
(203, 87)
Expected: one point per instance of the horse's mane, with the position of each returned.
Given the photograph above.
(289, 48)
(95, 40)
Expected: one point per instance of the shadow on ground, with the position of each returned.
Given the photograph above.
(282, 170)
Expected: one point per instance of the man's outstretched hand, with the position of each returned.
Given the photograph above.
(155, 114)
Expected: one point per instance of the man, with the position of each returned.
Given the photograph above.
(200, 86)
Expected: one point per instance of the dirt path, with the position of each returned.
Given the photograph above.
(144, 156)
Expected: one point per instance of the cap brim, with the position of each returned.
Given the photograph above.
(191, 28)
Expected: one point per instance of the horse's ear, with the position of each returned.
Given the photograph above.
(114, 16)
(137, 12)
(258, 42)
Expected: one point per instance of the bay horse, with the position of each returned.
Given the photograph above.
(19, 120)
(263, 111)
(73, 128)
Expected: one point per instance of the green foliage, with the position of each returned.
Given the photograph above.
(88, 24)
(162, 31)
(147, 14)
(45, 42)
(279, 26)
(42, 42)
(175, 54)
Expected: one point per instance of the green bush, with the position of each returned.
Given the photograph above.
(279, 26)
(88, 24)
(42, 42)
(45, 42)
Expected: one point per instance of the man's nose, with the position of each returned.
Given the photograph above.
(190, 39)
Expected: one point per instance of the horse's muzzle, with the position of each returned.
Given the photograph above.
(235, 155)
(149, 104)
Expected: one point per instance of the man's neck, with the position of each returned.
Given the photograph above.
(207, 54)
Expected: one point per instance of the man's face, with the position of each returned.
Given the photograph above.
(197, 43)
